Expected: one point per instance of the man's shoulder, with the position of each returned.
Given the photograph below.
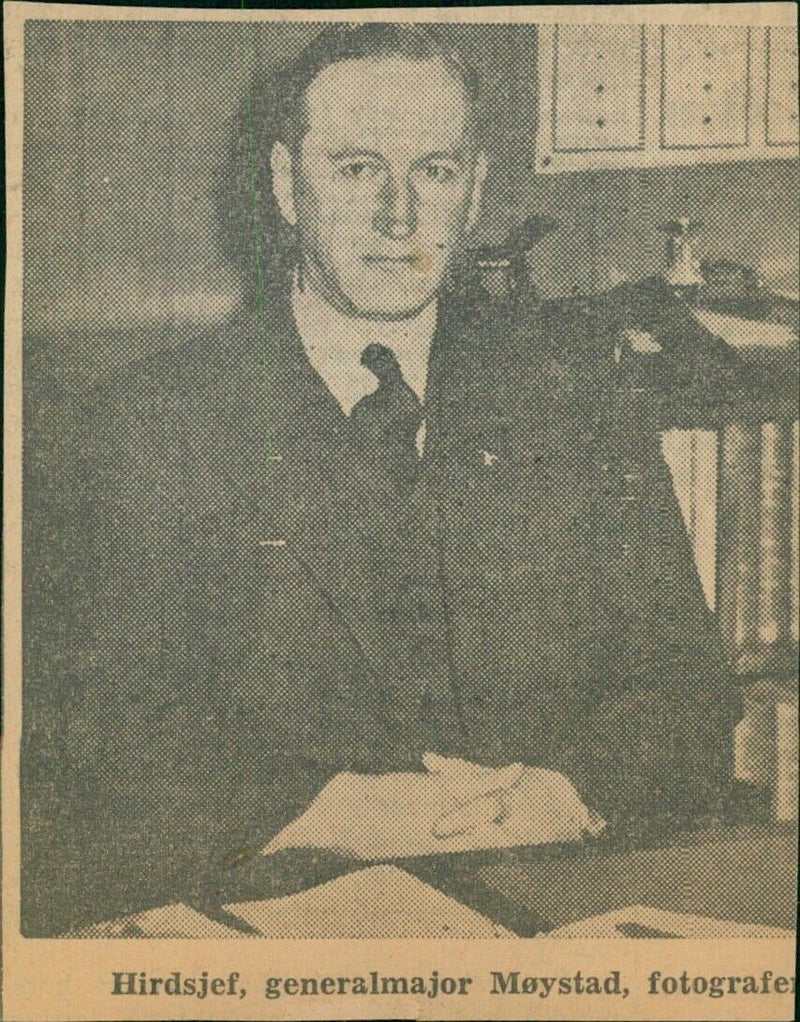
(525, 344)
(139, 416)
(186, 365)
(176, 376)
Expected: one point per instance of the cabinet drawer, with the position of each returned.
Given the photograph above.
(781, 86)
(705, 87)
(598, 88)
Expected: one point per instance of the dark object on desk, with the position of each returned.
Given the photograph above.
(502, 270)
(743, 874)
(696, 379)
(725, 279)
(734, 289)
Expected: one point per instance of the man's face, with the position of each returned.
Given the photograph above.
(385, 184)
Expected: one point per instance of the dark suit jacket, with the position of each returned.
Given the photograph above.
(238, 610)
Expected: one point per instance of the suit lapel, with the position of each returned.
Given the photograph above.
(286, 451)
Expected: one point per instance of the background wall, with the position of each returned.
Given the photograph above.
(127, 131)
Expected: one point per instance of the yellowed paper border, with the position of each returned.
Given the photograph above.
(71, 979)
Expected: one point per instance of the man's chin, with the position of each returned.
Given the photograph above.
(390, 306)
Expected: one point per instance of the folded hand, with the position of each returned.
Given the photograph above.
(511, 805)
(454, 806)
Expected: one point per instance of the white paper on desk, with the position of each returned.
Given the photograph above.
(368, 903)
(166, 922)
(746, 333)
(391, 816)
(678, 924)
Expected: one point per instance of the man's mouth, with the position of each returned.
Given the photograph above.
(419, 261)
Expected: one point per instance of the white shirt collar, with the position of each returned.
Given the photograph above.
(334, 343)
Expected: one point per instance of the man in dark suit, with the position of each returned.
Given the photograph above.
(377, 516)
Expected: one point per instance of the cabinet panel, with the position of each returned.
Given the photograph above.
(705, 86)
(598, 88)
(781, 86)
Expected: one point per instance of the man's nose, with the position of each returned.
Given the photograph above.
(396, 216)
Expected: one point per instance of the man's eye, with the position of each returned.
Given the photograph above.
(358, 170)
(440, 172)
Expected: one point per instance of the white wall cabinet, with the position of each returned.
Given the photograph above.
(705, 77)
(636, 96)
(781, 103)
(599, 88)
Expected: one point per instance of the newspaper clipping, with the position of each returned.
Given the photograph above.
(401, 512)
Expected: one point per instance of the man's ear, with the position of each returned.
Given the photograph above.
(481, 167)
(283, 181)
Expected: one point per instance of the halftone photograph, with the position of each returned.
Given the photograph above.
(409, 489)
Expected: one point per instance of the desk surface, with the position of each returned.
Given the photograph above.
(741, 874)
(746, 874)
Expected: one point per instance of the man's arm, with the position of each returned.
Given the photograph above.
(656, 743)
(647, 734)
(138, 789)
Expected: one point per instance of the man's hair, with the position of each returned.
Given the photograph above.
(274, 109)
(360, 42)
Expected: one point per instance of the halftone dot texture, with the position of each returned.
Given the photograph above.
(368, 903)
(223, 634)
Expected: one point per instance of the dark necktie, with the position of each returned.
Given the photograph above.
(386, 422)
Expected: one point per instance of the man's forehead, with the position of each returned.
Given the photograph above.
(385, 101)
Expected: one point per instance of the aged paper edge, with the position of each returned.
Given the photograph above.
(70, 979)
